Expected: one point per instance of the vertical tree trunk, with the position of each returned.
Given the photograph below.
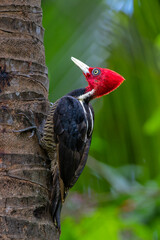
(24, 171)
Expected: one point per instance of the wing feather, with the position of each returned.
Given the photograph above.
(70, 130)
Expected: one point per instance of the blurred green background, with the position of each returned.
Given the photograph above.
(117, 196)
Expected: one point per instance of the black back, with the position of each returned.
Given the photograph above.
(73, 131)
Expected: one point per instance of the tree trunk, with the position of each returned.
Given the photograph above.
(24, 170)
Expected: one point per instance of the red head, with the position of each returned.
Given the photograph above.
(101, 80)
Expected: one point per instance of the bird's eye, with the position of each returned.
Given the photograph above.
(96, 72)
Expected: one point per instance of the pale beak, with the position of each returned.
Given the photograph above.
(81, 65)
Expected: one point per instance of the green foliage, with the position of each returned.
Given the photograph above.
(119, 188)
(105, 220)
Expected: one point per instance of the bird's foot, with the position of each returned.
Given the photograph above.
(33, 128)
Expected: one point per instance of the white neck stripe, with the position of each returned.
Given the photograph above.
(86, 95)
(91, 120)
(85, 114)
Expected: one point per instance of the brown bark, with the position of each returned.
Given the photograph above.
(24, 171)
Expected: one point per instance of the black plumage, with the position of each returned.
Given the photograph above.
(68, 131)
(67, 137)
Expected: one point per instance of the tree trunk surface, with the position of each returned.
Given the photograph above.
(25, 176)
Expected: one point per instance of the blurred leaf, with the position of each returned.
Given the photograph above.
(152, 125)
(119, 183)
(102, 223)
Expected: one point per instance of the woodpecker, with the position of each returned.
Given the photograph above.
(68, 131)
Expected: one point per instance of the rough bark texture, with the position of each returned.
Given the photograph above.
(24, 170)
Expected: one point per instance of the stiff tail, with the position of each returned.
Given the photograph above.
(56, 202)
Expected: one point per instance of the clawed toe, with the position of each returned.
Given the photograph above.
(32, 128)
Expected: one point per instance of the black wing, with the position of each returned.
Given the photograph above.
(70, 129)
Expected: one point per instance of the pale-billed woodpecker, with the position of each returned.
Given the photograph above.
(68, 130)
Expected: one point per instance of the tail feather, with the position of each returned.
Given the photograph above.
(57, 214)
(56, 202)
